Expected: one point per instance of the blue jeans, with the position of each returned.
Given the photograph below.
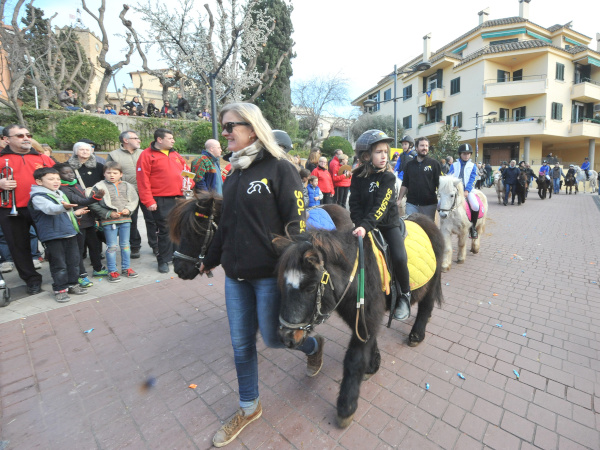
(507, 189)
(5, 255)
(117, 235)
(253, 305)
(556, 185)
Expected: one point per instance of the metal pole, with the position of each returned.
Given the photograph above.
(213, 106)
(395, 115)
(476, 137)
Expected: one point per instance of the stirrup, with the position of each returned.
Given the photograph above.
(402, 310)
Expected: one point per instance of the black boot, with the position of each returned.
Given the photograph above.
(402, 311)
(473, 230)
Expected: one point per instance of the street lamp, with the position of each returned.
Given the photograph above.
(477, 116)
(369, 102)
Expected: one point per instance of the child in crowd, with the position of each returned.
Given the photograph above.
(87, 231)
(56, 223)
(314, 193)
(305, 174)
(114, 211)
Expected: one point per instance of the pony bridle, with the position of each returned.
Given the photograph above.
(210, 232)
(453, 207)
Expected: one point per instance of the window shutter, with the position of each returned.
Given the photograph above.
(447, 120)
(424, 84)
(460, 120)
(559, 111)
(500, 77)
(439, 76)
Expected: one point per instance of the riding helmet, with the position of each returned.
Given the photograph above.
(283, 140)
(367, 139)
(464, 148)
(407, 138)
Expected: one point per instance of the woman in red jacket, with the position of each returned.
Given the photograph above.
(341, 182)
(325, 181)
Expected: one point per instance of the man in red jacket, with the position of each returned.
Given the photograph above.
(334, 166)
(160, 184)
(23, 160)
(325, 181)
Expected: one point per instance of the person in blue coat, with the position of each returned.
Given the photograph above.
(586, 168)
(314, 193)
(466, 170)
(408, 153)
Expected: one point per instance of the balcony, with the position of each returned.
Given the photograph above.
(585, 128)
(509, 127)
(430, 129)
(437, 95)
(529, 86)
(586, 92)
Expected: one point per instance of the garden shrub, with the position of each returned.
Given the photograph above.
(331, 144)
(202, 133)
(86, 126)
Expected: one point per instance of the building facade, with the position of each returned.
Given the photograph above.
(543, 84)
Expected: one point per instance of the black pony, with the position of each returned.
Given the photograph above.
(544, 186)
(521, 187)
(571, 182)
(315, 278)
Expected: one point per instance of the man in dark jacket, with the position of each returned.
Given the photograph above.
(509, 178)
(183, 107)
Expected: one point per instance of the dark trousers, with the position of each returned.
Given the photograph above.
(135, 238)
(88, 236)
(326, 199)
(342, 195)
(161, 217)
(507, 189)
(64, 262)
(16, 232)
(394, 238)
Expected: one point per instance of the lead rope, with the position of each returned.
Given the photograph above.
(360, 297)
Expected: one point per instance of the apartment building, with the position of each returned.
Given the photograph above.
(543, 84)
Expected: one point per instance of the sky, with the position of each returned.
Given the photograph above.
(361, 41)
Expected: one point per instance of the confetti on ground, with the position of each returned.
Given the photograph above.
(447, 284)
(499, 325)
(489, 303)
(592, 263)
(193, 386)
(516, 373)
(537, 258)
(210, 284)
(594, 282)
(172, 278)
(89, 331)
(524, 334)
(149, 383)
(460, 375)
(495, 295)
(158, 281)
(427, 386)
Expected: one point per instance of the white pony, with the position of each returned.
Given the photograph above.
(402, 203)
(454, 220)
(499, 186)
(581, 178)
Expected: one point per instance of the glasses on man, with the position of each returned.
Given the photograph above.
(22, 135)
(228, 126)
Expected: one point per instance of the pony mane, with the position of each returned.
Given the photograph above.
(448, 182)
(183, 220)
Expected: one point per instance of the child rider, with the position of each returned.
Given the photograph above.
(373, 205)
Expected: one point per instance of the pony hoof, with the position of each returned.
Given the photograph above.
(460, 261)
(413, 340)
(344, 422)
(445, 269)
(366, 376)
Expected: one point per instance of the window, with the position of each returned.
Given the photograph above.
(434, 113)
(503, 76)
(387, 95)
(455, 120)
(560, 71)
(517, 75)
(407, 122)
(504, 41)
(504, 114)
(407, 92)
(455, 86)
(432, 82)
(374, 97)
(518, 113)
(557, 111)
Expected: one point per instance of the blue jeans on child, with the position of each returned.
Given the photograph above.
(117, 235)
(556, 185)
(253, 305)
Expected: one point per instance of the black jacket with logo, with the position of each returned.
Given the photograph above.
(257, 204)
(373, 201)
(422, 180)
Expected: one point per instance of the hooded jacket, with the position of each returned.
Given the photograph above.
(52, 220)
(159, 175)
(23, 166)
(258, 202)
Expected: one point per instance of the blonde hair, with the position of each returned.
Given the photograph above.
(252, 114)
(315, 154)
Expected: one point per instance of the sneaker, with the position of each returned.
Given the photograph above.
(85, 282)
(37, 264)
(61, 296)
(315, 362)
(234, 426)
(135, 253)
(114, 277)
(100, 273)
(7, 266)
(163, 267)
(129, 273)
(77, 290)
(33, 289)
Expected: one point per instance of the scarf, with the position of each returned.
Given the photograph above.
(245, 157)
(68, 183)
(69, 211)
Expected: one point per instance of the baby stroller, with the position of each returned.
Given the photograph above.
(5, 297)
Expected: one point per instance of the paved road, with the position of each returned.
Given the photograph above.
(536, 276)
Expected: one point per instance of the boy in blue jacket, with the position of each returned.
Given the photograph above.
(56, 225)
(314, 193)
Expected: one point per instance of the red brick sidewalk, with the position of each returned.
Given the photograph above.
(62, 388)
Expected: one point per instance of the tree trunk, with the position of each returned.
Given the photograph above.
(100, 98)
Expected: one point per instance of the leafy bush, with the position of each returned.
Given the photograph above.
(375, 122)
(202, 133)
(86, 126)
(331, 144)
(46, 139)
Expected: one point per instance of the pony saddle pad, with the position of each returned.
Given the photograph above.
(468, 209)
(421, 258)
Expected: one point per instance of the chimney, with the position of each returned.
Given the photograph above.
(524, 9)
(426, 49)
(483, 15)
(598, 42)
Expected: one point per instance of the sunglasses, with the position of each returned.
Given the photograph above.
(21, 136)
(228, 126)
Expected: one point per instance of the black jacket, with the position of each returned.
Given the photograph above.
(510, 175)
(373, 200)
(183, 105)
(76, 195)
(257, 204)
(422, 180)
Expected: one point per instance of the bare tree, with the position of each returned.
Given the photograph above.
(315, 98)
(109, 69)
